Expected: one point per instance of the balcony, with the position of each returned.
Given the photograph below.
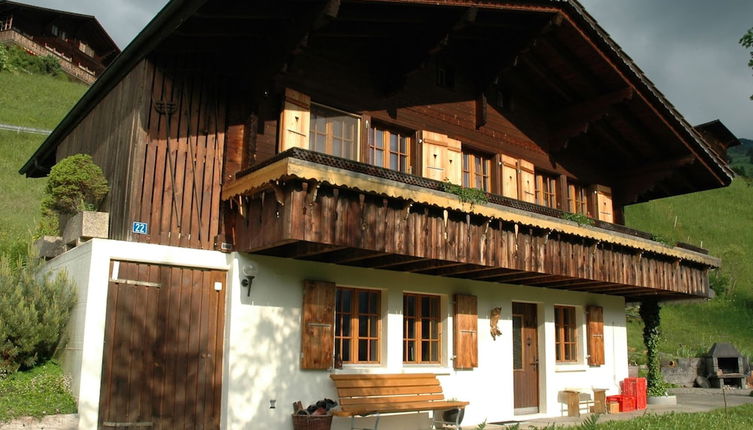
(79, 72)
(310, 206)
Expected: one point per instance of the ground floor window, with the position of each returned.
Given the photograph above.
(422, 325)
(357, 325)
(566, 341)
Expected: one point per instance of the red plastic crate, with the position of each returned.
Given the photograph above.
(627, 403)
(635, 387)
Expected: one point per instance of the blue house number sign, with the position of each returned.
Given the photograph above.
(140, 228)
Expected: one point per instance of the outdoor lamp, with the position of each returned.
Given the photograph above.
(248, 272)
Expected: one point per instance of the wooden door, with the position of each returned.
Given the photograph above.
(162, 363)
(525, 358)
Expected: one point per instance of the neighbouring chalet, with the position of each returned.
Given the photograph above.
(266, 146)
(78, 42)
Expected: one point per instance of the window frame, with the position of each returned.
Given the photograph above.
(354, 316)
(328, 134)
(547, 190)
(468, 167)
(417, 319)
(561, 326)
(388, 131)
(578, 198)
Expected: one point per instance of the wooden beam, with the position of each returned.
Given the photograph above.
(575, 119)
(423, 266)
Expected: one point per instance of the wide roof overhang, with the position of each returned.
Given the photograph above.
(602, 107)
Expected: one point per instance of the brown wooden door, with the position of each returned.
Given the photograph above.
(525, 358)
(162, 364)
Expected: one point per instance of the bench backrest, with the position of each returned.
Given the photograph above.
(358, 391)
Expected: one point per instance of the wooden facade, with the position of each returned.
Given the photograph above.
(78, 42)
(532, 103)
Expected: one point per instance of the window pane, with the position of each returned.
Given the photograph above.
(403, 163)
(434, 329)
(394, 161)
(363, 326)
(425, 306)
(425, 329)
(379, 140)
(346, 327)
(410, 306)
(345, 351)
(373, 350)
(346, 297)
(363, 350)
(373, 322)
(393, 142)
(373, 301)
(403, 145)
(517, 342)
(363, 302)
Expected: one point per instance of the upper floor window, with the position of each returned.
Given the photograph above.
(333, 132)
(389, 148)
(357, 325)
(86, 49)
(6, 23)
(476, 169)
(422, 325)
(566, 334)
(54, 30)
(546, 190)
(577, 199)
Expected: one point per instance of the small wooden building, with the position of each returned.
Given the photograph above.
(303, 187)
(78, 42)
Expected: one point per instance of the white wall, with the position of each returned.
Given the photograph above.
(89, 266)
(263, 343)
(262, 335)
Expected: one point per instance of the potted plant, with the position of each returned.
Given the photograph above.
(75, 189)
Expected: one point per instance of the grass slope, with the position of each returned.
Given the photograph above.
(30, 101)
(720, 221)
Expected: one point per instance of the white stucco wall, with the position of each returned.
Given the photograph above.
(262, 336)
(264, 343)
(89, 265)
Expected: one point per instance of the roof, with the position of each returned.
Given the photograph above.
(6, 5)
(178, 12)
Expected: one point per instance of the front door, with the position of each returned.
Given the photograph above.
(162, 364)
(525, 360)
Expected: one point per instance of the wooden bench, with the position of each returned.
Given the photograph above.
(574, 400)
(375, 394)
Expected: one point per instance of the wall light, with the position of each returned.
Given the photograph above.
(248, 272)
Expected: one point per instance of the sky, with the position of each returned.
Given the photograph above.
(688, 48)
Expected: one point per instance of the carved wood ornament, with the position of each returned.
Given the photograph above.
(495, 315)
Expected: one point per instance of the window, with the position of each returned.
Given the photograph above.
(389, 148)
(6, 23)
(357, 325)
(333, 132)
(54, 30)
(577, 199)
(421, 329)
(546, 190)
(566, 341)
(86, 49)
(476, 169)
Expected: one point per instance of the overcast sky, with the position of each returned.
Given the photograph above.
(688, 48)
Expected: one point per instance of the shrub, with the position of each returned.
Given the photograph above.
(34, 312)
(74, 184)
(14, 58)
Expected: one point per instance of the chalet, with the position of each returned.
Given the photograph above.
(78, 42)
(305, 188)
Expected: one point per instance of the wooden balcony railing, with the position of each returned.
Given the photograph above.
(12, 36)
(312, 206)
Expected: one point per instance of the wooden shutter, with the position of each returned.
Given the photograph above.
(595, 334)
(317, 325)
(465, 323)
(295, 120)
(441, 157)
(604, 209)
(509, 177)
(527, 181)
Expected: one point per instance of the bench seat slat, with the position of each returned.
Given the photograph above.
(354, 383)
(355, 402)
(401, 407)
(379, 376)
(387, 391)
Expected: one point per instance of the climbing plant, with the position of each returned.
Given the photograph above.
(650, 313)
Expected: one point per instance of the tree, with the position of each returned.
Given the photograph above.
(747, 42)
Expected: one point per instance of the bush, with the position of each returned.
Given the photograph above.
(34, 312)
(14, 58)
(74, 184)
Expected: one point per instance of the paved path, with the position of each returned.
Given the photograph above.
(688, 400)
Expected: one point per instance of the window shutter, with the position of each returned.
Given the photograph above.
(318, 325)
(441, 157)
(509, 177)
(527, 182)
(465, 323)
(295, 120)
(604, 209)
(595, 334)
